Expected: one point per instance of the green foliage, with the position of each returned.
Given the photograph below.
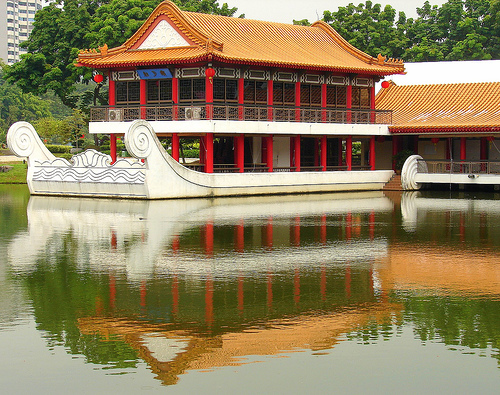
(62, 131)
(458, 30)
(18, 106)
(64, 27)
(58, 149)
(401, 157)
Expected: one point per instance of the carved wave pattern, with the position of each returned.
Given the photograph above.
(93, 167)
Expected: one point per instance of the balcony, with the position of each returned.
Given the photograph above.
(204, 111)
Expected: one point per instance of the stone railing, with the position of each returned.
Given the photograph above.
(458, 167)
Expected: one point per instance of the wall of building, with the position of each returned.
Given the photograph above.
(383, 155)
(3, 31)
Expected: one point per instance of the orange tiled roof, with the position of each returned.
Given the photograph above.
(242, 41)
(442, 108)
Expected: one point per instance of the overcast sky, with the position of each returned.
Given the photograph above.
(287, 10)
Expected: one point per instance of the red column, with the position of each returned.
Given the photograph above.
(297, 101)
(270, 99)
(241, 99)
(175, 98)
(348, 153)
(240, 152)
(240, 236)
(112, 147)
(269, 233)
(323, 153)
(143, 98)
(209, 156)
(112, 92)
(297, 153)
(463, 148)
(349, 103)
(175, 146)
(209, 238)
(269, 153)
(372, 153)
(209, 96)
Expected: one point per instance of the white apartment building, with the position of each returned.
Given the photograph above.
(16, 23)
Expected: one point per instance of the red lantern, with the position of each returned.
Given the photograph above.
(435, 140)
(98, 78)
(490, 138)
(82, 136)
(385, 84)
(210, 72)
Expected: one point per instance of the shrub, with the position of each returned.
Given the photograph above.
(58, 149)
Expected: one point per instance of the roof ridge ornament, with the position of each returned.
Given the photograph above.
(383, 61)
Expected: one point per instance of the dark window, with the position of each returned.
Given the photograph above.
(361, 97)
(283, 93)
(128, 92)
(336, 96)
(159, 91)
(255, 92)
(310, 95)
(191, 90)
(225, 90)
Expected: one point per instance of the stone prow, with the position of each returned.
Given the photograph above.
(24, 141)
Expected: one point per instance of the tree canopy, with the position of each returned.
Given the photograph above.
(64, 27)
(458, 30)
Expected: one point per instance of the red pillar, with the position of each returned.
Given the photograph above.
(349, 103)
(463, 148)
(175, 146)
(143, 98)
(240, 152)
(270, 99)
(297, 153)
(240, 236)
(348, 153)
(175, 98)
(112, 147)
(209, 96)
(209, 153)
(372, 153)
(269, 153)
(112, 92)
(323, 153)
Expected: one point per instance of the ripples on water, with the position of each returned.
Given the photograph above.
(198, 285)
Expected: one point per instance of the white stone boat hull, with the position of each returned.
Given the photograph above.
(156, 175)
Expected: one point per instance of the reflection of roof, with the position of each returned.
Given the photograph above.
(306, 331)
(443, 108)
(204, 37)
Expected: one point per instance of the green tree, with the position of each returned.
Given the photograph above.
(370, 28)
(18, 106)
(64, 27)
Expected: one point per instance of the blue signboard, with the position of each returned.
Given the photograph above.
(154, 74)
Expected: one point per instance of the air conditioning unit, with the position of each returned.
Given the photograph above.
(193, 113)
(115, 114)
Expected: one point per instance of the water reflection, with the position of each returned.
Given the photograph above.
(199, 284)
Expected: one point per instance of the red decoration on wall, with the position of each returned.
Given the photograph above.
(210, 72)
(435, 140)
(490, 138)
(98, 78)
(385, 84)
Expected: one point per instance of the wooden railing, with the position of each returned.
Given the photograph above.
(458, 167)
(204, 111)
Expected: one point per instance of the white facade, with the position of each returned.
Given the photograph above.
(16, 23)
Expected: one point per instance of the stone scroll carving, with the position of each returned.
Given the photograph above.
(409, 171)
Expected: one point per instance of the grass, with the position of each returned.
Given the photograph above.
(17, 175)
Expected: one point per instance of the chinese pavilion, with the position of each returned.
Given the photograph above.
(259, 96)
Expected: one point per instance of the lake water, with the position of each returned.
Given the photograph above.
(341, 293)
